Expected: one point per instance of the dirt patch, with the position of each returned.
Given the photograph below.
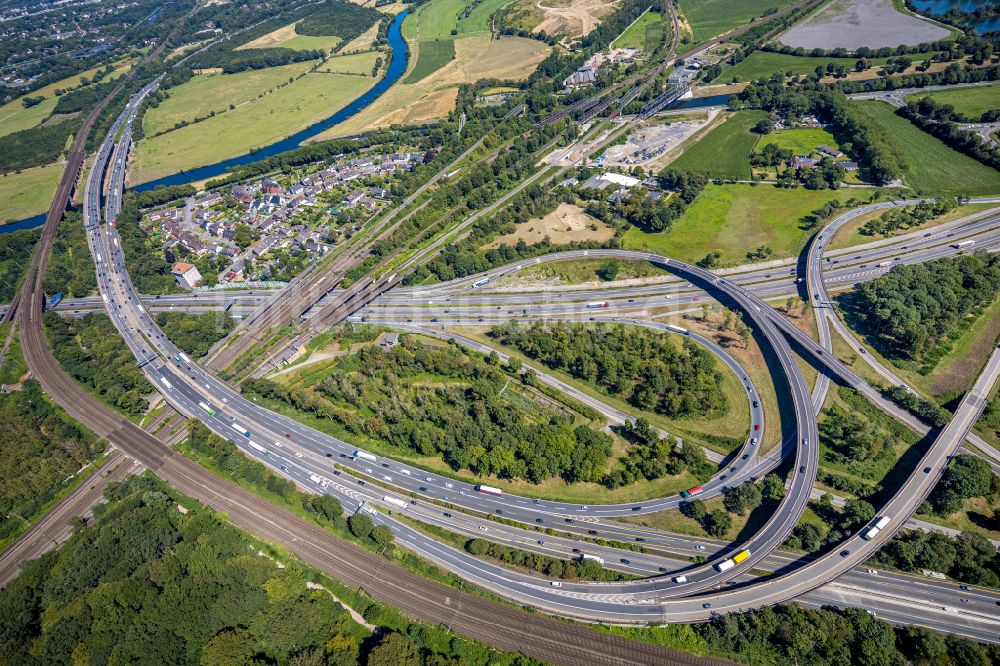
(851, 24)
(273, 38)
(710, 91)
(566, 223)
(575, 18)
(208, 70)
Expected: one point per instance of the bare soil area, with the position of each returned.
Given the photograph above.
(565, 224)
(851, 24)
(575, 18)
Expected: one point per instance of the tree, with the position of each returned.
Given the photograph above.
(361, 525)
(608, 271)
(394, 649)
(717, 523)
(742, 498)
(923, 647)
(242, 236)
(772, 488)
(382, 536)
(231, 647)
(694, 509)
(857, 512)
(763, 126)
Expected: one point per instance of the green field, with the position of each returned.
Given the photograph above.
(931, 166)
(725, 151)
(29, 192)
(309, 42)
(801, 141)
(478, 20)
(431, 57)
(973, 101)
(357, 63)
(432, 20)
(253, 125)
(735, 219)
(205, 93)
(709, 18)
(761, 64)
(645, 34)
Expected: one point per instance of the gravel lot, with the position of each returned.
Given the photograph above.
(851, 24)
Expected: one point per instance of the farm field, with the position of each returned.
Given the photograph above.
(973, 101)
(725, 151)
(431, 56)
(476, 57)
(931, 166)
(645, 34)
(29, 192)
(205, 93)
(258, 123)
(802, 141)
(285, 37)
(735, 219)
(709, 18)
(356, 63)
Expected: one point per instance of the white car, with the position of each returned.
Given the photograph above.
(555, 583)
(449, 485)
(387, 477)
(483, 528)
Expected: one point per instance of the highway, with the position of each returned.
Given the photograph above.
(305, 451)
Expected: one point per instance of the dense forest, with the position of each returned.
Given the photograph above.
(195, 334)
(433, 401)
(43, 448)
(35, 146)
(86, 348)
(339, 18)
(635, 364)
(908, 311)
(71, 268)
(232, 62)
(822, 637)
(151, 583)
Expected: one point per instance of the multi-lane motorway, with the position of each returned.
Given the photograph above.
(306, 455)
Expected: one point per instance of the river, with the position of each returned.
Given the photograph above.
(397, 67)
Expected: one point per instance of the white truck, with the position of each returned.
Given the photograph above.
(398, 503)
(364, 455)
(873, 531)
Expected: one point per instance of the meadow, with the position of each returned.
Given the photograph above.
(762, 64)
(356, 63)
(259, 123)
(931, 166)
(972, 101)
(29, 192)
(205, 93)
(725, 151)
(735, 219)
(646, 34)
(709, 18)
(802, 141)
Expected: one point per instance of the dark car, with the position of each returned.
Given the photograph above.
(845, 553)
(637, 508)
(624, 561)
(539, 521)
